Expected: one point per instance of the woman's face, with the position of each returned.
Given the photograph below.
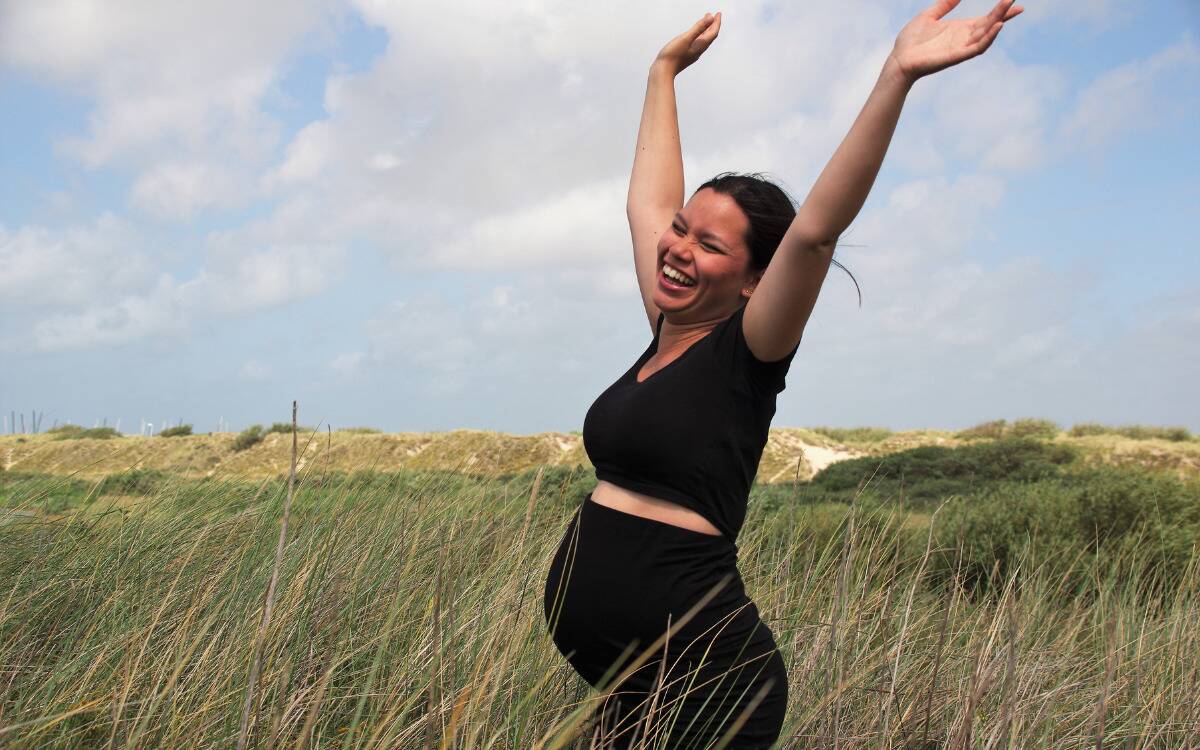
(706, 242)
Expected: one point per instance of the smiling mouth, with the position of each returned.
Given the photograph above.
(676, 277)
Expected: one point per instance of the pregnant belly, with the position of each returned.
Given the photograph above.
(647, 506)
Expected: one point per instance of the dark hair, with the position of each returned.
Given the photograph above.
(770, 211)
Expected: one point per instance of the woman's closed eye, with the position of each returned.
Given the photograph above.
(679, 231)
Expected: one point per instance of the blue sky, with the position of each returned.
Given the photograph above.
(410, 215)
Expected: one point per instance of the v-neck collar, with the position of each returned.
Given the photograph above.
(654, 350)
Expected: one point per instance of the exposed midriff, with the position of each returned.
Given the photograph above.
(647, 506)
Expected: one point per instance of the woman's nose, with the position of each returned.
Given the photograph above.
(684, 245)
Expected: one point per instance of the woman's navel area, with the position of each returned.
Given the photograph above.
(654, 508)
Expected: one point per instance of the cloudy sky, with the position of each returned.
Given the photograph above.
(410, 215)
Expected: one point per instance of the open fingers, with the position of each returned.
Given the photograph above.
(979, 47)
(1000, 12)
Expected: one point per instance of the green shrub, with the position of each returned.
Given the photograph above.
(1143, 432)
(99, 433)
(248, 437)
(931, 473)
(286, 428)
(1084, 429)
(50, 494)
(1033, 428)
(1118, 522)
(1134, 431)
(134, 482)
(855, 434)
(1021, 428)
(63, 428)
(179, 431)
(986, 431)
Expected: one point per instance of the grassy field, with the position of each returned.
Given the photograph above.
(1006, 593)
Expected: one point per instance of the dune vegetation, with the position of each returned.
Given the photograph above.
(1010, 591)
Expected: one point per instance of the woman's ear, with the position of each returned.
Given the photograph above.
(748, 289)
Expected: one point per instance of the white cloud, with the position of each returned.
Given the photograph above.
(45, 266)
(237, 279)
(177, 87)
(405, 161)
(993, 111)
(131, 317)
(254, 370)
(347, 364)
(305, 158)
(1132, 96)
(177, 191)
(532, 331)
(580, 227)
(1093, 15)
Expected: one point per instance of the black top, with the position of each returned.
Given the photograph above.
(694, 431)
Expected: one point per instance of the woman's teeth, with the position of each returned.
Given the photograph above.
(676, 276)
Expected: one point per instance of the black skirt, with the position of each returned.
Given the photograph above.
(617, 583)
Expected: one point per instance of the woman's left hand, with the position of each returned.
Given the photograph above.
(930, 43)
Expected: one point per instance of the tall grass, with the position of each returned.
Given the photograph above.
(408, 614)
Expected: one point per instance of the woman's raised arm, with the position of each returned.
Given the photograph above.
(656, 185)
(785, 296)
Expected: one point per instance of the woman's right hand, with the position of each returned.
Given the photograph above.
(686, 48)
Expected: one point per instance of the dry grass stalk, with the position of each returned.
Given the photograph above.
(835, 664)
(261, 638)
(1008, 699)
(434, 691)
(941, 644)
(1109, 667)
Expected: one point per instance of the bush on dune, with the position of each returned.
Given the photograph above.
(1136, 431)
(248, 437)
(1000, 428)
(855, 434)
(75, 432)
(931, 473)
(1126, 523)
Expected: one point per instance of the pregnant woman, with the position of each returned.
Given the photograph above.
(644, 595)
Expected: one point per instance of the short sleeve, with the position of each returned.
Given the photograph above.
(759, 378)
